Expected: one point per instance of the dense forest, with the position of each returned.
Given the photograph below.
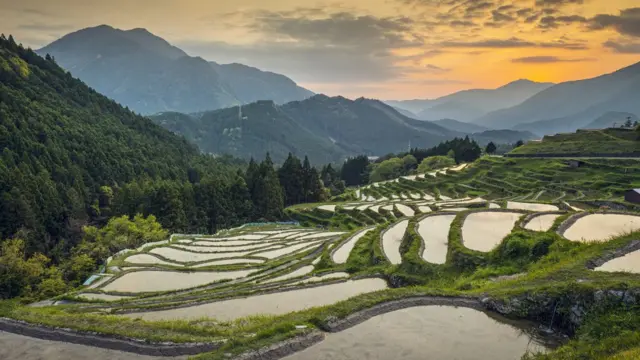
(72, 161)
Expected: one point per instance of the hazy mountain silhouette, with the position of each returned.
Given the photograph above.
(467, 105)
(571, 105)
(149, 75)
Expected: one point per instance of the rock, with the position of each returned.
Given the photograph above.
(114, 269)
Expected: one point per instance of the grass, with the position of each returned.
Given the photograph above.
(595, 143)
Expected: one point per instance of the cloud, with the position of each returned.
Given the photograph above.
(547, 60)
(623, 47)
(338, 29)
(627, 23)
(513, 43)
(558, 3)
(46, 27)
(436, 69)
(462, 23)
(497, 16)
(552, 22)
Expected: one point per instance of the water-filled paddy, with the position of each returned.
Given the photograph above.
(187, 256)
(530, 206)
(484, 230)
(391, 240)
(597, 227)
(541, 222)
(434, 231)
(286, 250)
(150, 281)
(272, 304)
(627, 263)
(341, 254)
(425, 332)
(405, 210)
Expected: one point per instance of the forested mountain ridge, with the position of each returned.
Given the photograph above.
(149, 75)
(72, 159)
(327, 129)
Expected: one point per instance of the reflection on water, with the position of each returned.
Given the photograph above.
(428, 332)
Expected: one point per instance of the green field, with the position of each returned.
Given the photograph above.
(584, 143)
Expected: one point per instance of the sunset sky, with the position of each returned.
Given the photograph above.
(388, 49)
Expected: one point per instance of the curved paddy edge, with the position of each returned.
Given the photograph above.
(105, 341)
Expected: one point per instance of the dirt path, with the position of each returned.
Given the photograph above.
(18, 347)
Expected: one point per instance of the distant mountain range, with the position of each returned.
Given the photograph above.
(468, 105)
(325, 128)
(149, 75)
(572, 105)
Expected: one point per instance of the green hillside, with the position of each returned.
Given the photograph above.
(615, 142)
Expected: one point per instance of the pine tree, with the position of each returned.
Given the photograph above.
(491, 148)
(290, 175)
(267, 197)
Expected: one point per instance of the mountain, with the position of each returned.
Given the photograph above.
(67, 149)
(414, 106)
(251, 132)
(251, 84)
(405, 112)
(324, 128)
(460, 126)
(572, 104)
(468, 105)
(149, 75)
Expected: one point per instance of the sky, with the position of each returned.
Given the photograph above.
(387, 49)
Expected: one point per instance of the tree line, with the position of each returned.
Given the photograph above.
(360, 170)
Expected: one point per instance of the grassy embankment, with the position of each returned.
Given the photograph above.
(586, 143)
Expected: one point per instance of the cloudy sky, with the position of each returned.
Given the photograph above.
(389, 49)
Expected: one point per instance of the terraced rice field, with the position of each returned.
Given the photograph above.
(269, 304)
(154, 281)
(391, 240)
(599, 227)
(541, 222)
(277, 269)
(434, 231)
(628, 263)
(483, 231)
(341, 254)
(530, 206)
(425, 332)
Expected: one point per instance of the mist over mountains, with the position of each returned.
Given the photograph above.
(200, 99)
(147, 74)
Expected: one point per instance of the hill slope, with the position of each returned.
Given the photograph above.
(456, 125)
(147, 74)
(607, 142)
(62, 142)
(572, 104)
(324, 128)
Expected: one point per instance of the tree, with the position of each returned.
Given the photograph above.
(491, 148)
(291, 179)
(267, 196)
(628, 123)
(354, 171)
(387, 170)
(435, 162)
(409, 163)
(518, 144)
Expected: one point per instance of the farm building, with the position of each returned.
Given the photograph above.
(632, 196)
